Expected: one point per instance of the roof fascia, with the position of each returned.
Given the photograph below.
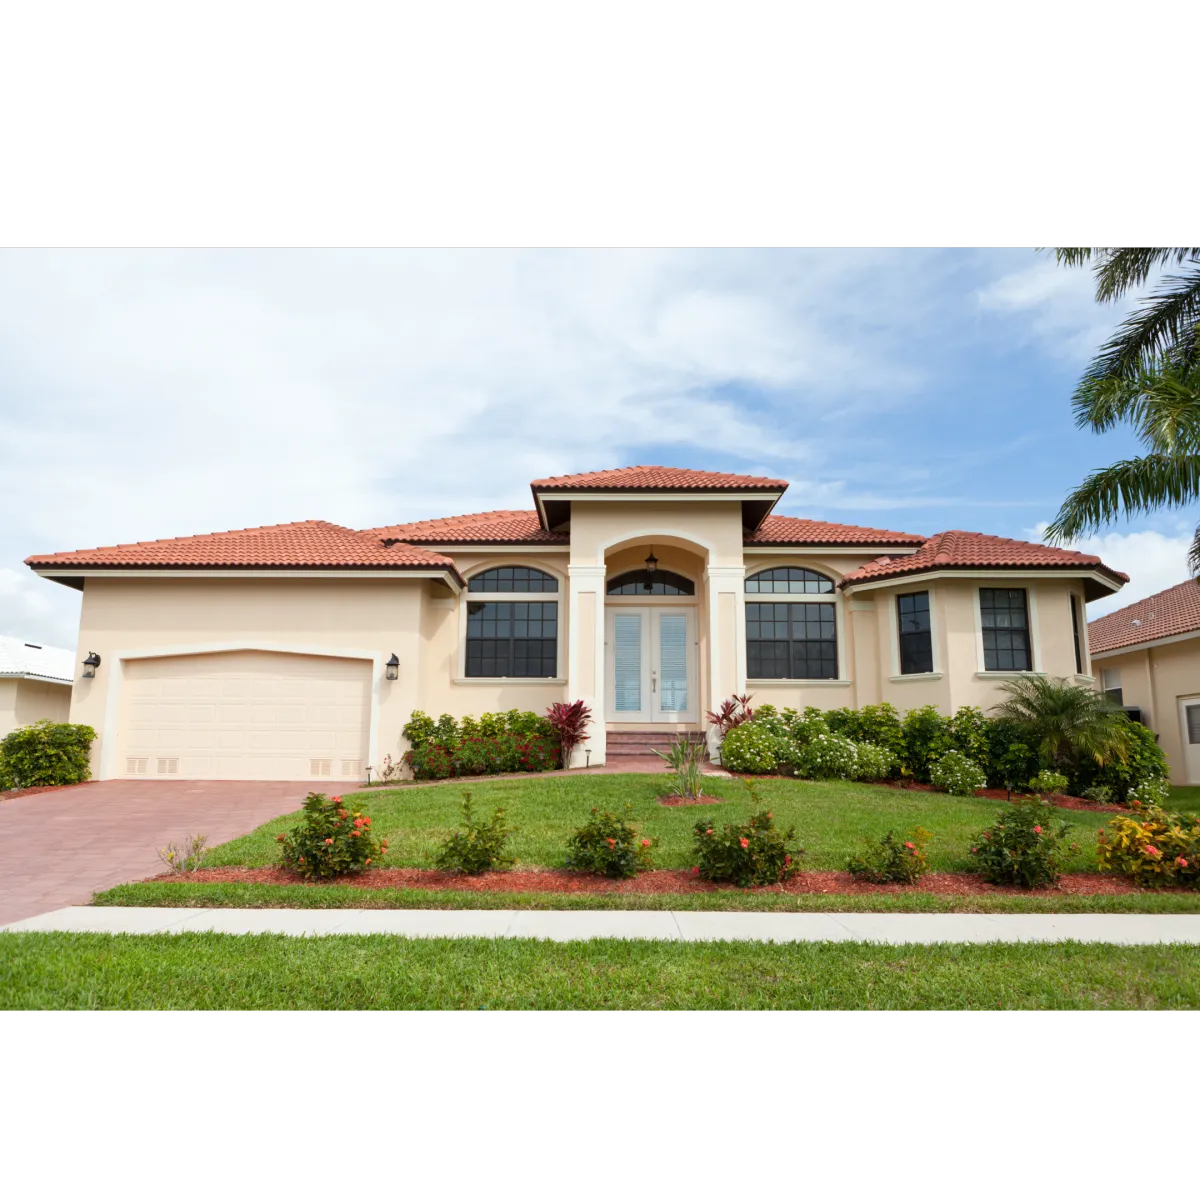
(1133, 647)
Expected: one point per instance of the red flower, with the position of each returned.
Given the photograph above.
(329, 841)
(1037, 829)
(357, 822)
(1181, 861)
(708, 833)
(974, 850)
(1153, 850)
(909, 846)
(745, 842)
(366, 820)
(645, 841)
(355, 833)
(770, 816)
(695, 870)
(336, 800)
(611, 842)
(787, 860)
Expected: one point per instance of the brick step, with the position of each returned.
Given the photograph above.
(632, 744)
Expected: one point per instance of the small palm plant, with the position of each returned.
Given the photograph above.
(1064, 722)
(685, 758)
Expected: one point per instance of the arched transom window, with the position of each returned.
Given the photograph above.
(794, 634)
(650, 583)
(512, 579)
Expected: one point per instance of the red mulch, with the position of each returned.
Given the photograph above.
(33, 791)
(1057, 799)
(546, 879)
(677, 801)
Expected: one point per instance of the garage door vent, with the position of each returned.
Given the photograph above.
(320, 766)
(168, 766)
(137, 766)
(351, 767)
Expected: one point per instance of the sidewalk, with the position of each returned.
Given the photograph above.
(892, 928)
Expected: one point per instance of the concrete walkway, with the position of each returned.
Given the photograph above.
(891, 928)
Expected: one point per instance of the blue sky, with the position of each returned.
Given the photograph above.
(154, 394)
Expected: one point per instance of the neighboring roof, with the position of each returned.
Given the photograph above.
(501, 525)
(784, 531)
(317, 545)
(959, 550)
(657, 479)
(25, 659)
(1165, 614)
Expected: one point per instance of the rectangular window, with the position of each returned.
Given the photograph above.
(916, 635)
(1075, 631)
(1110, 681)
(1005, 629)
(512, 639)
(791, 641)
(1193, 723)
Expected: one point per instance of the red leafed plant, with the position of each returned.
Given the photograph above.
(569, 721)
(732, 713)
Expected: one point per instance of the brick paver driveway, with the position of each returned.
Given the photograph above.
(57, 848)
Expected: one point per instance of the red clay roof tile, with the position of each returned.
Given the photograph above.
(315, 544)
(654, 479)
(1165, 614)
(783, 531)
(500, 525)
(957, 549)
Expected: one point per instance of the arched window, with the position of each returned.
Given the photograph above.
(512, 579)
(793, 635)
(645, 583)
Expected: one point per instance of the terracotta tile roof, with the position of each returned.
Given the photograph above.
(956, 549)
(783, 531)
(501, 525)
(653, 479)
(315, 544)
(1165, 614)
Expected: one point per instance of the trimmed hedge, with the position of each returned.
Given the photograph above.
(492, 744)
(46, 754)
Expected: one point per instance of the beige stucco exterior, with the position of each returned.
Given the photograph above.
(23, 701)
(364, 617)
(1157, 678)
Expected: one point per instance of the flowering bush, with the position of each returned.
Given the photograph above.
(1144, 762)
(1048, 783)
(504, 754)
(955, 773)
(1099, 793)
(479, 846)
(491, 744)
(330, 840)
(829, 756)
(926, 739)
(610, 845)
(1024, 846)
(891, 860)
(751, 748)
(1155, 848)
(430, 761)
(748, 855)
(803, 727)
(1150, 793)
(45, 754)
(874, 762)
(874, 724)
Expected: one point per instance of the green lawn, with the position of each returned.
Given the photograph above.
(210, 971)
(1185, 799)
(831, 819)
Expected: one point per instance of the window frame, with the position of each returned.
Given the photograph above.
(1030, 625)
(900, 672)
(640, 595)
(833, 598)
(1077, 630)
(558, 598)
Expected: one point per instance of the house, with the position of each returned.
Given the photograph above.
(1148, 657)
(35, 683)
(298, 651)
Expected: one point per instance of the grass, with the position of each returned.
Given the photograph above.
(831, 819)
(1186, 799)
(270, 895)
(218, 971)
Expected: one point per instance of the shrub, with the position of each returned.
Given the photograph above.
(685, 759)
(873, 762)
(1048, 783)
(829, 756)
(969, 730)
(892, 861)
(430, 761)
(768, 717)
(1101, 793)
(609, 845)
(874, 724)
(330, 840)
(486, 745)
(749, 855)
(926, 739)
(46, 754)
(506, 753)
(420, 729)
(732, 713)
(955, 773)
(803, 727)
(569, 721)
(479, 846)
(182, 860)
(751, 748)
(1155, 848)
(1010, 761)
(1024, 846)
(1152, 793)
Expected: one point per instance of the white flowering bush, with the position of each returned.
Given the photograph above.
(957, 774)
(874, 762)
(768, 717)
(749, 748)
(1150, 793)
(1048, 783)
(828, 756)
(803, 727)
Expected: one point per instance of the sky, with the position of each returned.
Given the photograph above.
(149, 394)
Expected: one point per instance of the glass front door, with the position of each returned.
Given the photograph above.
(650, 656)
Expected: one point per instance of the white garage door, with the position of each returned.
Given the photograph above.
(246, 715)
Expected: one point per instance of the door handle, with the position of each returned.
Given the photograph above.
(654, 681)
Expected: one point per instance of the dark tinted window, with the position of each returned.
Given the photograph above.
(514, 639)
(650, 583)
(791, 641)
(1005, 629)
(792, 580)
(513, 579)
(916, 637)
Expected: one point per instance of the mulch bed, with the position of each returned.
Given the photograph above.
(677, 801)
(546, 879)
(1057, 799)
(16, 793)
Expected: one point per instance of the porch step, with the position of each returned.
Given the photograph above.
(636, 744)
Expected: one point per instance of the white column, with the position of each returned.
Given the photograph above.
(724, 588)
(585, 654)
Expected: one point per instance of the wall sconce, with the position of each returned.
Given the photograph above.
(651, 562)
(90, 664)
(393, 667)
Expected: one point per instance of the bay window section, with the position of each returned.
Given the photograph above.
(916, 633)
(1004, 616)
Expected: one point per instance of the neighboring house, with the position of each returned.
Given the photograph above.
(1148, 657)
(651, 593)
(35, 682)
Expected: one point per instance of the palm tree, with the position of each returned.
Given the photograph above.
(1065, 722)
(1148, 376)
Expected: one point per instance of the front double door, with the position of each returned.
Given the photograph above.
(651, 663)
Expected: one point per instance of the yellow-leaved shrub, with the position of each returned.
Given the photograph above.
(1155, 848)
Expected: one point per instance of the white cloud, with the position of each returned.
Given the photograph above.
(31, 608)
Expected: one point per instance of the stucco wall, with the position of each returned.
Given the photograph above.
(23, 701)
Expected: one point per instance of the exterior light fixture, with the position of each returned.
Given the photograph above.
(393, 667)
(369, 770)
(651, 562)
(90, 664)
(588, 761)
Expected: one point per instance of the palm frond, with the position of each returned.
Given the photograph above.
(1065, 721)
(1163, 405)
(1194, 554)
(1129, 488)
(1120, 268)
